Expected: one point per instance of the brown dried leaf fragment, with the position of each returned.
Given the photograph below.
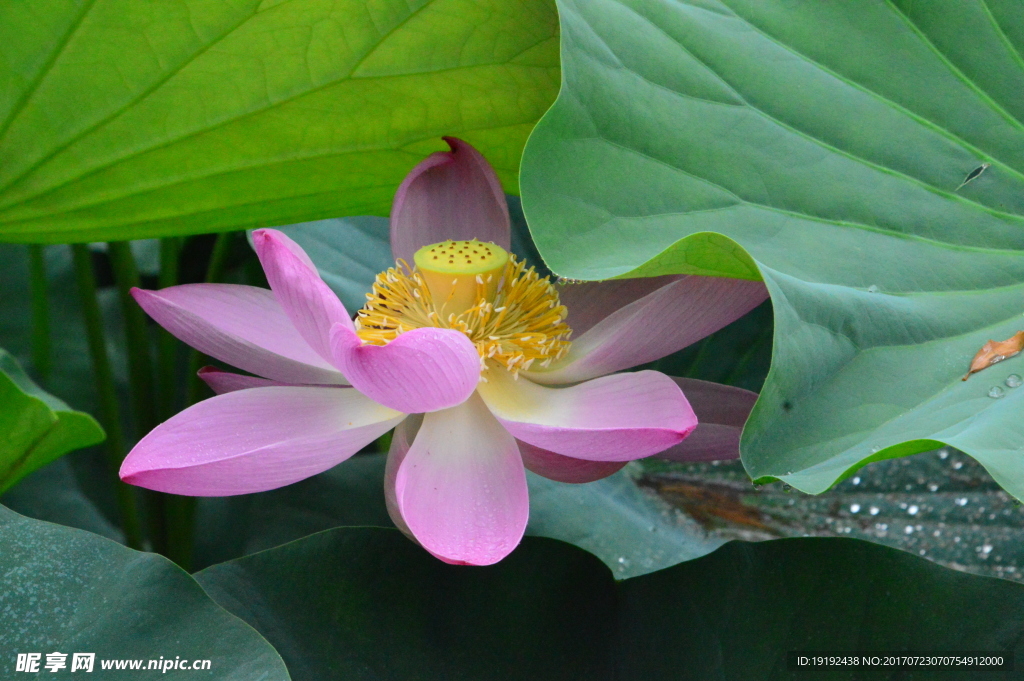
(996, 351)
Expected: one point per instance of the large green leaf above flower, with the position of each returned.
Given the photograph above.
(823, 147)
(121, 119)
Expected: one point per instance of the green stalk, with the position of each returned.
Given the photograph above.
(140, 365)
(109, 412)
(140, 376)
(179, 512)
(214, 273)
(170, 251)
(42, 349)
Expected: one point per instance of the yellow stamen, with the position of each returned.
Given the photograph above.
(513, 315)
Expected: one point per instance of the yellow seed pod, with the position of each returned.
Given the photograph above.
(460, 273)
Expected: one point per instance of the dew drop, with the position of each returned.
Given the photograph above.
(913, 510)
(854, 508)
(873, 510)
(995, 392)
(957, 465)
(943, 453)
(909, 529)
(962, 501)
(932, 487)
(872, 289)
(1014, 381)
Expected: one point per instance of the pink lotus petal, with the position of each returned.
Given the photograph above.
(721, 410)
(461, 488)
(241, 325)
(565, 468)
(589, 302)
(672, 317)
(613, 418)
(449, 195)
(401, 440)
(255, 440)
(419, 371)
(306, 299)
(222, 382)
(710, 442)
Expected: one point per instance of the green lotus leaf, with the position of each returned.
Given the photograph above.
(367, 603)
(125, 119)
(35, 427)
(70, 591)
(866, 160)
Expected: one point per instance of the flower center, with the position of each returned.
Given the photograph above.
(511, 314)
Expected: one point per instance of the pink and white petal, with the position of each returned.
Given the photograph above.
(222, 382)
(307, 300)
(461, 488)
(721, 410)
(562, 468)
(421, 370)
(613, 418)
(401, 440)
(254, 440)
(244, 326)
(449, 195)
(672, 317)
(589, 302)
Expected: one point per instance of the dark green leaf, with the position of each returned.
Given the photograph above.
(122, 119)
(70, 591)
(821, 146)
(366, 603)
(53, 494)
(35, 427)
(627, 529)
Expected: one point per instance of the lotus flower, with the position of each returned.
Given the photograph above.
(462, 348)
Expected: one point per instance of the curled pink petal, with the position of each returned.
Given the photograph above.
(722, 410)
(562, 468)
(244, 326)
(672, 317)
(421, 370)
(449, 195)
(222, 382)
(307, 300)
(461, 487)
(613, 418)
(254, 440)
